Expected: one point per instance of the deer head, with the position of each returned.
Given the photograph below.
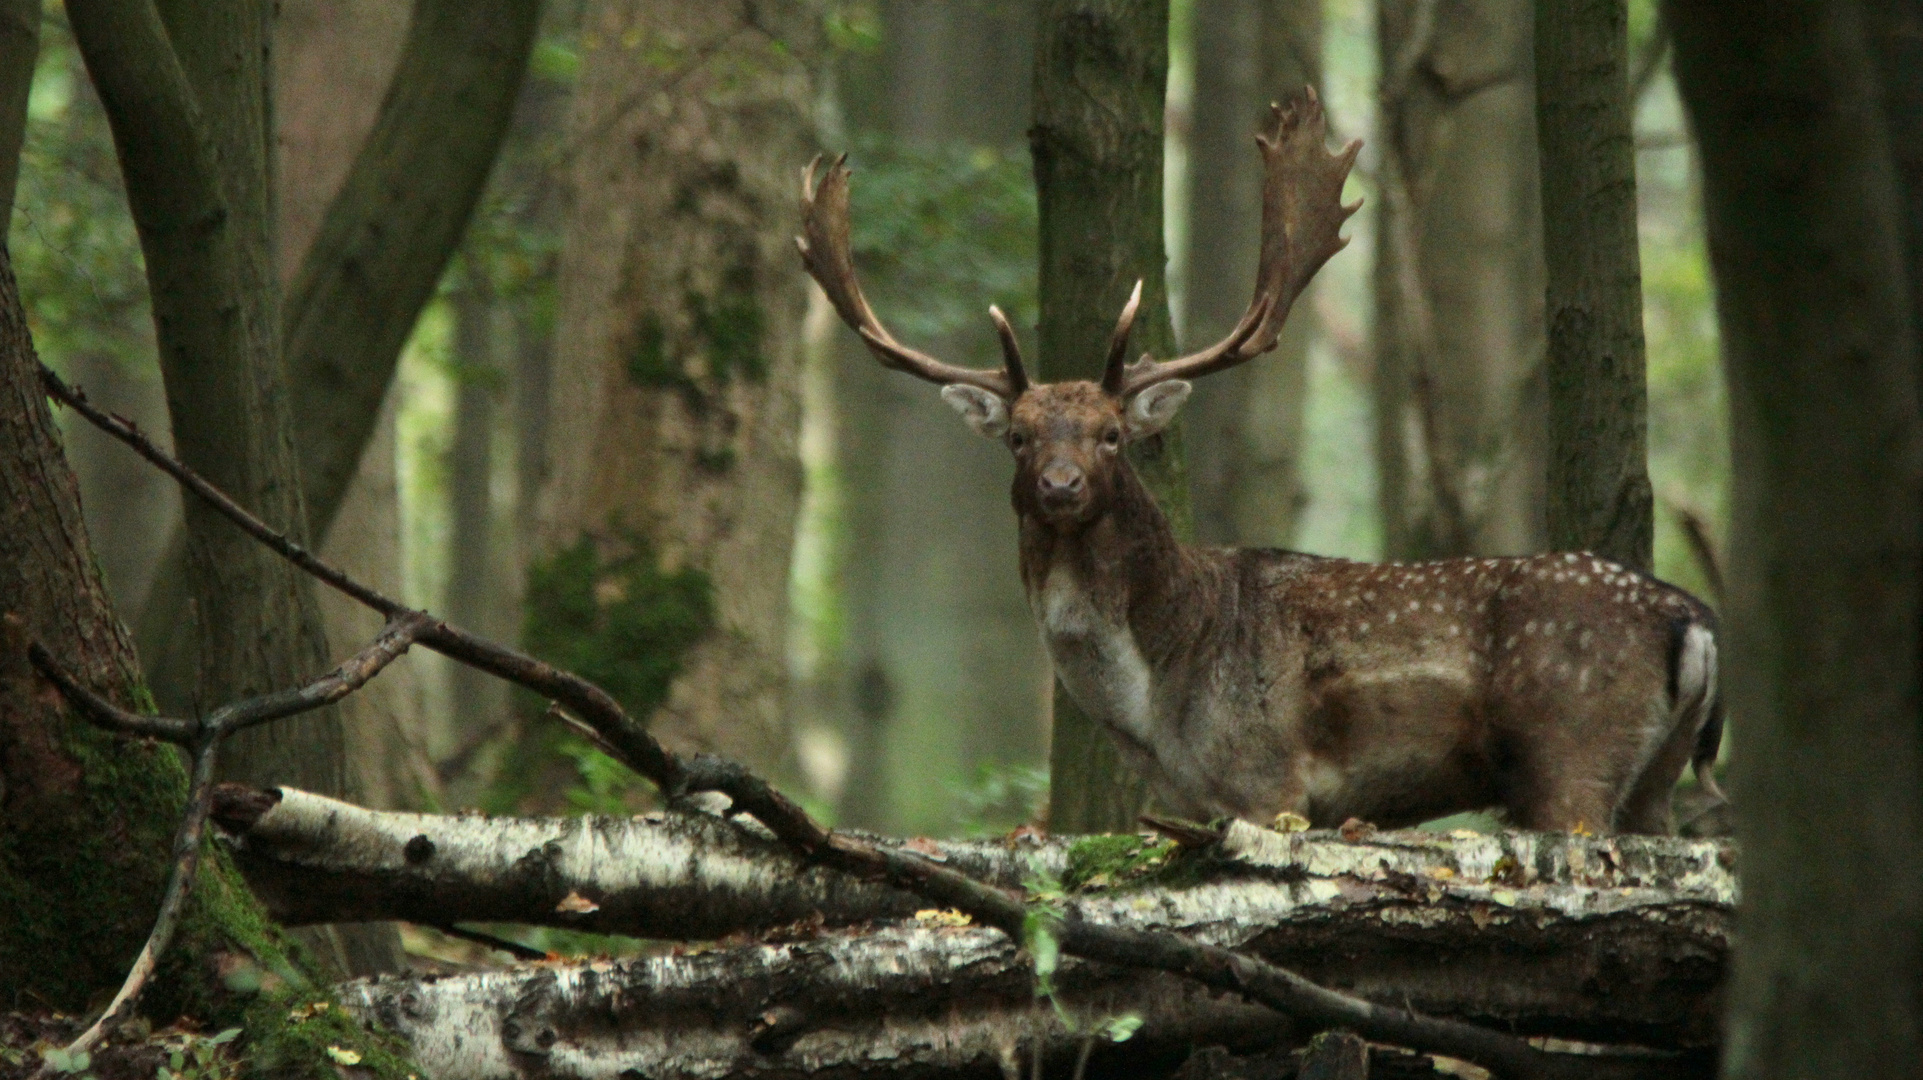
(1068, 437)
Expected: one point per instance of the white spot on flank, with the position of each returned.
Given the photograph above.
(1436, 607)
(1582, 680)
(1582, 579)
(1529, 627)
(1363, 629)
(1415, 605)
(1569, 557)
(1454, 629)
(1392, 618)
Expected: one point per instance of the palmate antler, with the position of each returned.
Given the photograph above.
(826, 252)
(1302, 216)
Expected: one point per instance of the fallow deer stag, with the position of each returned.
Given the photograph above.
(1563, 689)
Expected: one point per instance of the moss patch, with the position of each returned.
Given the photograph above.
(622, 623)
(1107, 862)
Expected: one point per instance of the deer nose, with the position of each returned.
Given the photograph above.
(1061, 482)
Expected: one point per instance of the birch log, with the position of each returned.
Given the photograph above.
(1616, 939)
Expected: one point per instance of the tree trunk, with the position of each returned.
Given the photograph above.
(1896, 42)
(1804, 224)
(85, 818)
(373, 265)
(1458, 282)
(1101, 73)
(675, 396)
(335, 59)
(194, 130)
(1244, 425)
(477, 597)
(74, 905)
(1599, 494)
(19, 46)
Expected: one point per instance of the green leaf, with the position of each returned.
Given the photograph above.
(225, 1037)
(1122, 1028)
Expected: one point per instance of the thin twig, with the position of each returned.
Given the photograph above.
(186, 864)
(633, 746)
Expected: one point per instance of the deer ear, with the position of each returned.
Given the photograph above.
(984, 410)
(1151, 410)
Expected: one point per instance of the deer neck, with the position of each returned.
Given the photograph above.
(1105, 595)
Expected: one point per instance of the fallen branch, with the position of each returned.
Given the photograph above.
(1596, 938)
(1213, 966)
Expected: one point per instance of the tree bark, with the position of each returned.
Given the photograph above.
(74, 905)
(1804, 225)
(193, 127)
(1244, 430)
(1458, 281)
(676, 384)
(380, 250)
(19, 47)
(1101, 73)
(1599, 494)
(1896, 41)
(1622, 939)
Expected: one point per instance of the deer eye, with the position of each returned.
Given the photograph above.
(1016, 440)
(1112, 437)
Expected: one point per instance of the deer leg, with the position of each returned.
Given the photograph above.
(1646, 809)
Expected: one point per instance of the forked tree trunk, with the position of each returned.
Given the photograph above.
(1101, 74)
(1805, 228)
(1599, 494)
(675, 396)
(1458, 282)
(1244, 426)
(188, 101)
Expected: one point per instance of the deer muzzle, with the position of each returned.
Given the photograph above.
(1062, 487)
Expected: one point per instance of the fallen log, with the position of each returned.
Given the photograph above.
(1616, 939)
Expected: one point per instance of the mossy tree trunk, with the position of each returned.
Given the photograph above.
(1896, 41)
(1101, 75)
(1598, 481)
(1805, 240)
(1244, 425)
(675, 395)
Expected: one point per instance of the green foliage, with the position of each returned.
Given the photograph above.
(941, 232)
(1000, 796)
(200, 1058)
(72, 237)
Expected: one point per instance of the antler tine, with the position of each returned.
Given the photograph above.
(1302, 216)
(1011, 352)
(1112, 373)
(828, 256)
